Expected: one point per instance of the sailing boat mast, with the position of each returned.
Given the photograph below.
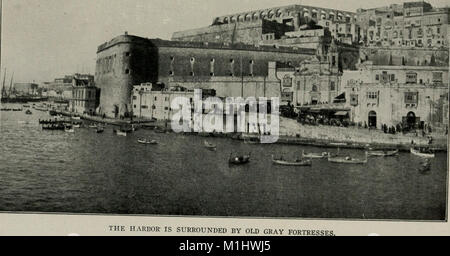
(10, 84)
(3, 86)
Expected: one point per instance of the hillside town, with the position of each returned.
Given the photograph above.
(383, 69)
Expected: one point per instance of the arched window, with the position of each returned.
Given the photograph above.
(314, 88)
(287, 81)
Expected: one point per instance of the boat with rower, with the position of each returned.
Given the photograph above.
(146, 141)
(119, 132)
(347, 159)
(28, 112)
(210, 145)
(298, 162)
(322, 155)
(100, 129)
(239, 160)
(422, 152)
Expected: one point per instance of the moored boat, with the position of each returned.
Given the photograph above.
(28, 112)
(347, 159)
(372, 152)
(298, 162)
(422, 152)
(315, 155)
(100, 130)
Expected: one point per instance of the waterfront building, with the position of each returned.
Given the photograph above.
(153, 101)
(317, 81)
(128, 60)
(84, 95)
(410, 96)
(25, 88)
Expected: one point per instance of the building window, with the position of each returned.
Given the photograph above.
(231, 67)
(437, 77)
(354, 99)
(287, 81)
(251, 67)
(134, 98)
(314, 88)
(191, 73)
(127, 71)
(411, 78)
(411, 97)
(211, 67)
(332, 86)
(372, 95)
(377, 77)
(170, 73)
(392, 77)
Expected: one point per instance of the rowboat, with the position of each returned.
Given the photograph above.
(382, 152)
(315, 155)
(92, 126)
(425, 166)
(28, 112)
(70, 130)
(239, 160)
(145, 141)
(120, 133)
(427, 153)
(99, 130)
(76, 118)
(210, 145)
(346, 160)
(296, 163)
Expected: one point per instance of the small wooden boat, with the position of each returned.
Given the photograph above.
(145, 141)
(92, 126)
(210, 145)
(120, 133)
(28, 112)
(99, 130)
(239, 160)
(26, 106)
(315, 155)
(425, 166)
(70, 130)
(382, 152)
(422, 152)
(346, 160)
(52, 113)
(296, 163)
(76, 118)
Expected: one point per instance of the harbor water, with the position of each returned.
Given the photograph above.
(102, 173)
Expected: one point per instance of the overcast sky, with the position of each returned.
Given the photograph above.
(45, 39)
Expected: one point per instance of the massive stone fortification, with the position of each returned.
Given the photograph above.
(129, 60)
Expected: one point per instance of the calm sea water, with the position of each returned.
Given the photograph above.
(86, 172)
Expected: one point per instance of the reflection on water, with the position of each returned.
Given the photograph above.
(86, 172)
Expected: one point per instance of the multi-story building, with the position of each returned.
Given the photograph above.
(85, 95)
(317, 81)
(408, 95)
(415, 24)
(153, 101)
